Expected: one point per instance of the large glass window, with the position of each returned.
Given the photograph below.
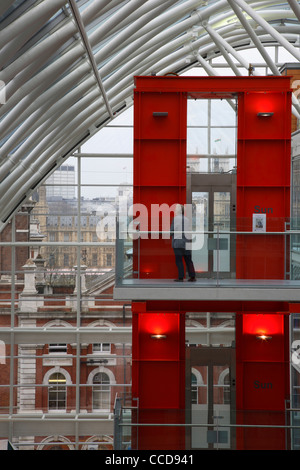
(211, 135)
(57, 391)
(101, 392)
(194, 389)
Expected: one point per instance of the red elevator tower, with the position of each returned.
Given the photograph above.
(263, 186)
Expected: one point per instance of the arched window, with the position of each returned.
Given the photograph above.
(57, 394)
(194, 389)
(224, 387)
(198, 388)
(227, 389)
(101, 392)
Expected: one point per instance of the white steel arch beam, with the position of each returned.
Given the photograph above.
(114, 20)
(49, 131)
(220, 2)
(66, 101)
(129, 36)
(60, 125)
(50, 44)
(262, 50)
(27, 176)
(39, 82)
(29, 23)
(295, 7)
(12, 52)
(170, 51)
(151, 8)
(38, 121)
(4, 6)
(18, 111)
(153, 40)
(75, 53)
(178, 53)
(41, 51)
(59, 88)
(248, 28)
(25, 121)
(83, 125)
(36, 79)
(172, 24)
(87, 46)
(220, 43)
(213, 72)
(268, 28)
(158, 41)
(41, 110)
(109, 63)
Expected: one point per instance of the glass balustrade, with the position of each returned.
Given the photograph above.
(221, 433)
(261, 251)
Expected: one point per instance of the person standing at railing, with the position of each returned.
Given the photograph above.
(179, 225)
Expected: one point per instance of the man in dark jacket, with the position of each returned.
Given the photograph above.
(179, 225)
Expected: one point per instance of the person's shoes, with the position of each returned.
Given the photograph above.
(178, 280)
(192, 279)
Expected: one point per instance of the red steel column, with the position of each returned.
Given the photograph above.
(263, 187)
(262, 386)
(158, 369)
(158, 377)
(263, 181)
(159, 174)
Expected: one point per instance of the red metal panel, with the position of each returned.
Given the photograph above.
(215, 86)
(262, 154)
(263, 186)
(159, 173)
(252, 125)
(167, 158)
(263, 182)
(161, 116)
(262, 379)
(158, 371)
(227, 306)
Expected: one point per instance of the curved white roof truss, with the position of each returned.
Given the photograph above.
(67, 67)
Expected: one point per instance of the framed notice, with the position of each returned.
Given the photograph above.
(259, 223)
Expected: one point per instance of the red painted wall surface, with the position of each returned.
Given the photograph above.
(263, 182)
(262, 385)
(263, 186)
(159, 174)
(158, 371)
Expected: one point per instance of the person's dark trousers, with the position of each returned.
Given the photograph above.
(189, 263)
(186, 255)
